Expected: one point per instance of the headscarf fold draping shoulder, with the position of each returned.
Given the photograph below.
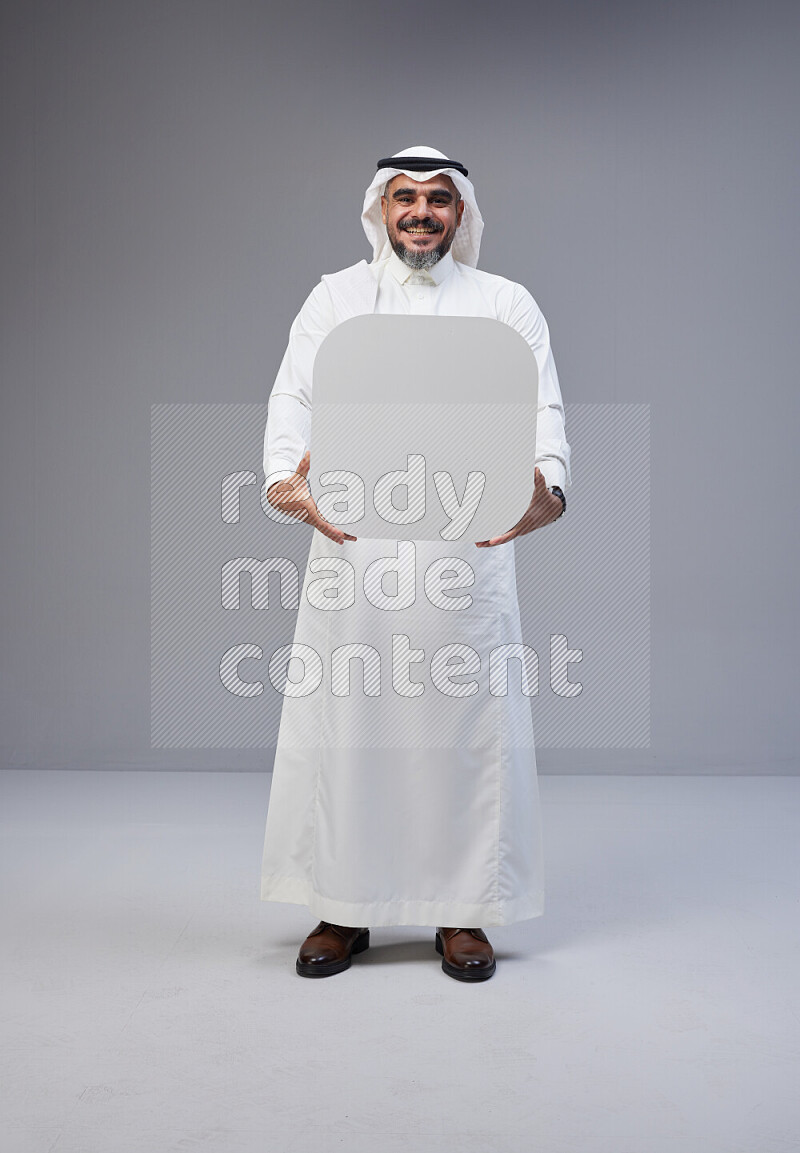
(467, 243)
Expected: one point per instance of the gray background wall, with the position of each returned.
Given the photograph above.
(177, 176)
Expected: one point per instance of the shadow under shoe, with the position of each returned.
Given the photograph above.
(328, 948)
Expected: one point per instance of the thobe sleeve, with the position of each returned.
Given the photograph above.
(288, 431)
(552, 450)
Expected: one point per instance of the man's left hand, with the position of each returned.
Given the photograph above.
(545, 507)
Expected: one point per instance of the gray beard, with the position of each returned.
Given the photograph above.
(420, 261)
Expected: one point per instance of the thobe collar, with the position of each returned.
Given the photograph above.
(433, 276)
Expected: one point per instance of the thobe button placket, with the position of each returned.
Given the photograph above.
(420, 302)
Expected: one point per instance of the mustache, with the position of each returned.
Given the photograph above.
(424, 222)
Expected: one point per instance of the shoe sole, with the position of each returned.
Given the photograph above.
(463, 974)
(329, 968)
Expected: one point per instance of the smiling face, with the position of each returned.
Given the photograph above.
(421, 218)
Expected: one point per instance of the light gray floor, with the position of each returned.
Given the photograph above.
(151, 1003)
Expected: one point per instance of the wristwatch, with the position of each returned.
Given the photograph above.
(557, 491)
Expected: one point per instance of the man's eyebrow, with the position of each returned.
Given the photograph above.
(412, 192)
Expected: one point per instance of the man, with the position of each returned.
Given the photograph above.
(386, 810)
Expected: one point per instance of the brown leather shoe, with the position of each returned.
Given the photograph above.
(466, 954)
(328, 949)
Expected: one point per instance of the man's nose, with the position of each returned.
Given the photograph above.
(421, 206)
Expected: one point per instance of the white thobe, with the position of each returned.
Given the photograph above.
(419, 804)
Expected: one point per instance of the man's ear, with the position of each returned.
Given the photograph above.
(459, 213)
(384, 206)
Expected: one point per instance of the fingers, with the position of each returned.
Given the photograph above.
(328, 530)
(334, 534)
(293, 497)
(518, 528)
(310, 512)
(307, 512)
(507, 536)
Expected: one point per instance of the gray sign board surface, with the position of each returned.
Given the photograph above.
(424, 427)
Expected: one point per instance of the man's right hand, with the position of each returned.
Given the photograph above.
(293, 496)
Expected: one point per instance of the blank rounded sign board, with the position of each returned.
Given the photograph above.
(424, 427)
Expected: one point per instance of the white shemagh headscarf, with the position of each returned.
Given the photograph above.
(467, 242)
